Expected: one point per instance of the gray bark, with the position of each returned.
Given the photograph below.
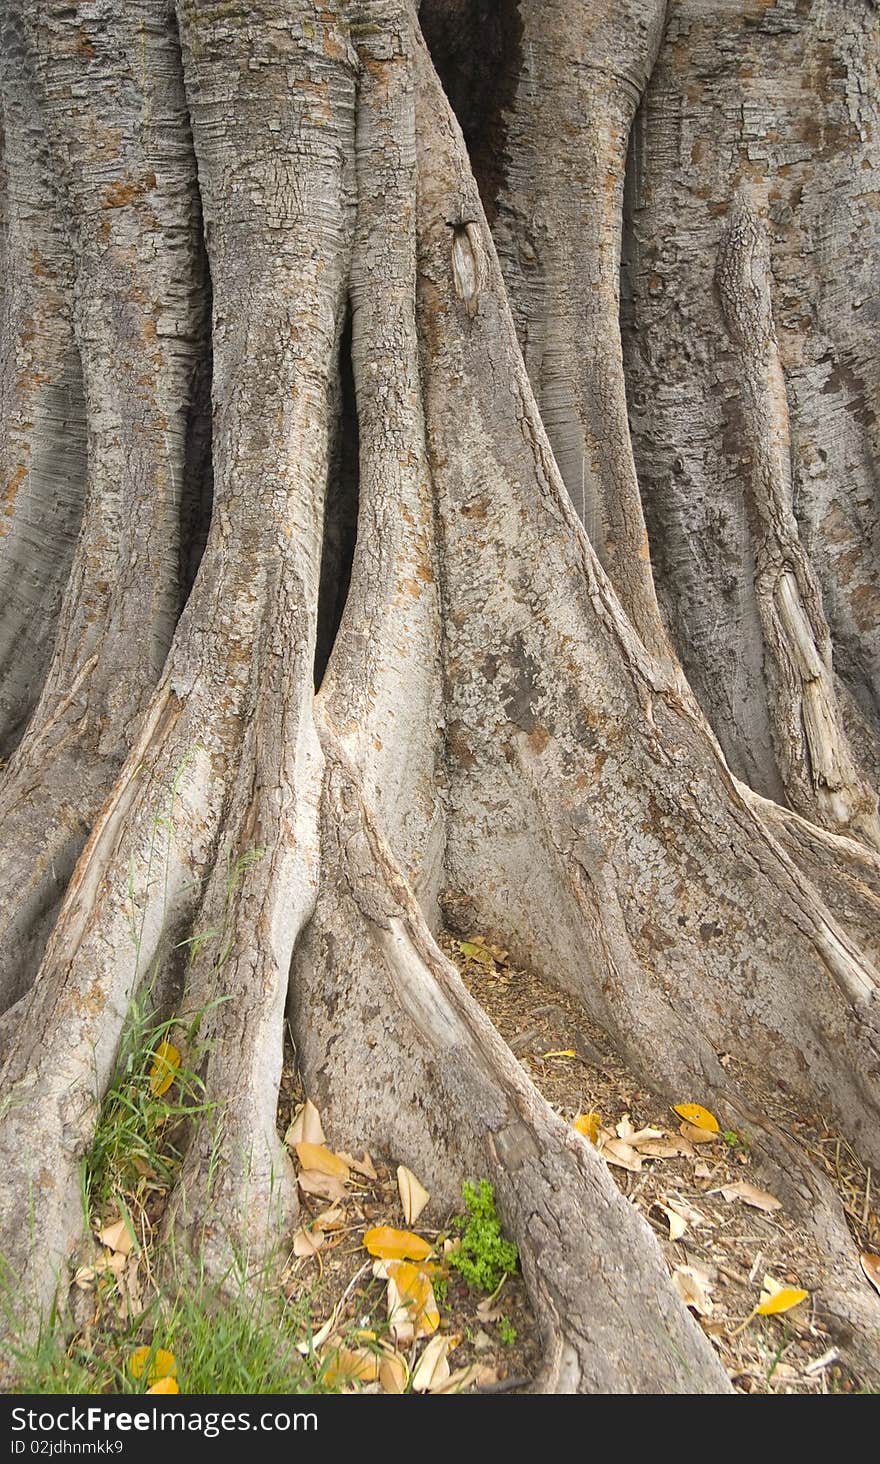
(503, 728)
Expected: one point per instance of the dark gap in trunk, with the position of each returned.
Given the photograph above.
(197, 494)
(197, 498)
(340, 505)
(476, 46)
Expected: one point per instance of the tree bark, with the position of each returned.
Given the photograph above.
(502, 733)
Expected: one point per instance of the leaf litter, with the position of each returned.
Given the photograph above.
(728, 1242)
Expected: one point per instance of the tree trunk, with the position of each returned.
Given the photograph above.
(644, 758)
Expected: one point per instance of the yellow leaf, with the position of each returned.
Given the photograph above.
(396, 1245)
(318, 1157)
(560, 1052)
(161, 1364)
(347, 1365)
(413, 1195)
(166, 1061)
(781, 1301)
(412, 1309)
(698, 1116)
(164, 1385)
(588, 1124)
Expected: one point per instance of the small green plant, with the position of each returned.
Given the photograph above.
(738, 1143)
(506, 1331)
(484, 1257)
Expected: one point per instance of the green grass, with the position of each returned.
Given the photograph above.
(135, 1145)
(221, 1344)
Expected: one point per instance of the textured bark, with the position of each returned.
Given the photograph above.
(751, 273)
(502, 734)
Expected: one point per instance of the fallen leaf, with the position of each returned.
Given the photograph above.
(164, 1385)
(349, 1365)
(758, 1199)
(393, 1373)
(701, 1170)
(870, 1264)
(692, 1286)
(84, 1278)
(319, 1158)
(161, 1364)
(696, 1135)
(677, 1223)
(117, 1237)
(362, 1166)
(166, 1061)
(642, 1138)
(780, 1299)
(308, 1242)
(588, 1124)
(412, 1309)
(490, 1310)
(698, 1116)
(432, 1368)
(331, 1219)
(463, 1378)
(413, 1195)
(396, 1245)
(687, 1211)
(661, 1148)
(324, 1186)
(306, 1126)
(616, 1151)
(560, 1052)
(476, 952)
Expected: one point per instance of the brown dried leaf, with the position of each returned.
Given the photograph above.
(308, 1242)
(870, 1264)
(617, 1151)
(677, 1223)
(116, 1237)
(349, 1365)
(413, 1195)
(325, 1186)
(393, 1373)
(758, 1199)
(696, 1135)
(463, 1378)
(332, 1219)
(363, 1166)
(306, 1127)
(692, 1285)
(432, 1369)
